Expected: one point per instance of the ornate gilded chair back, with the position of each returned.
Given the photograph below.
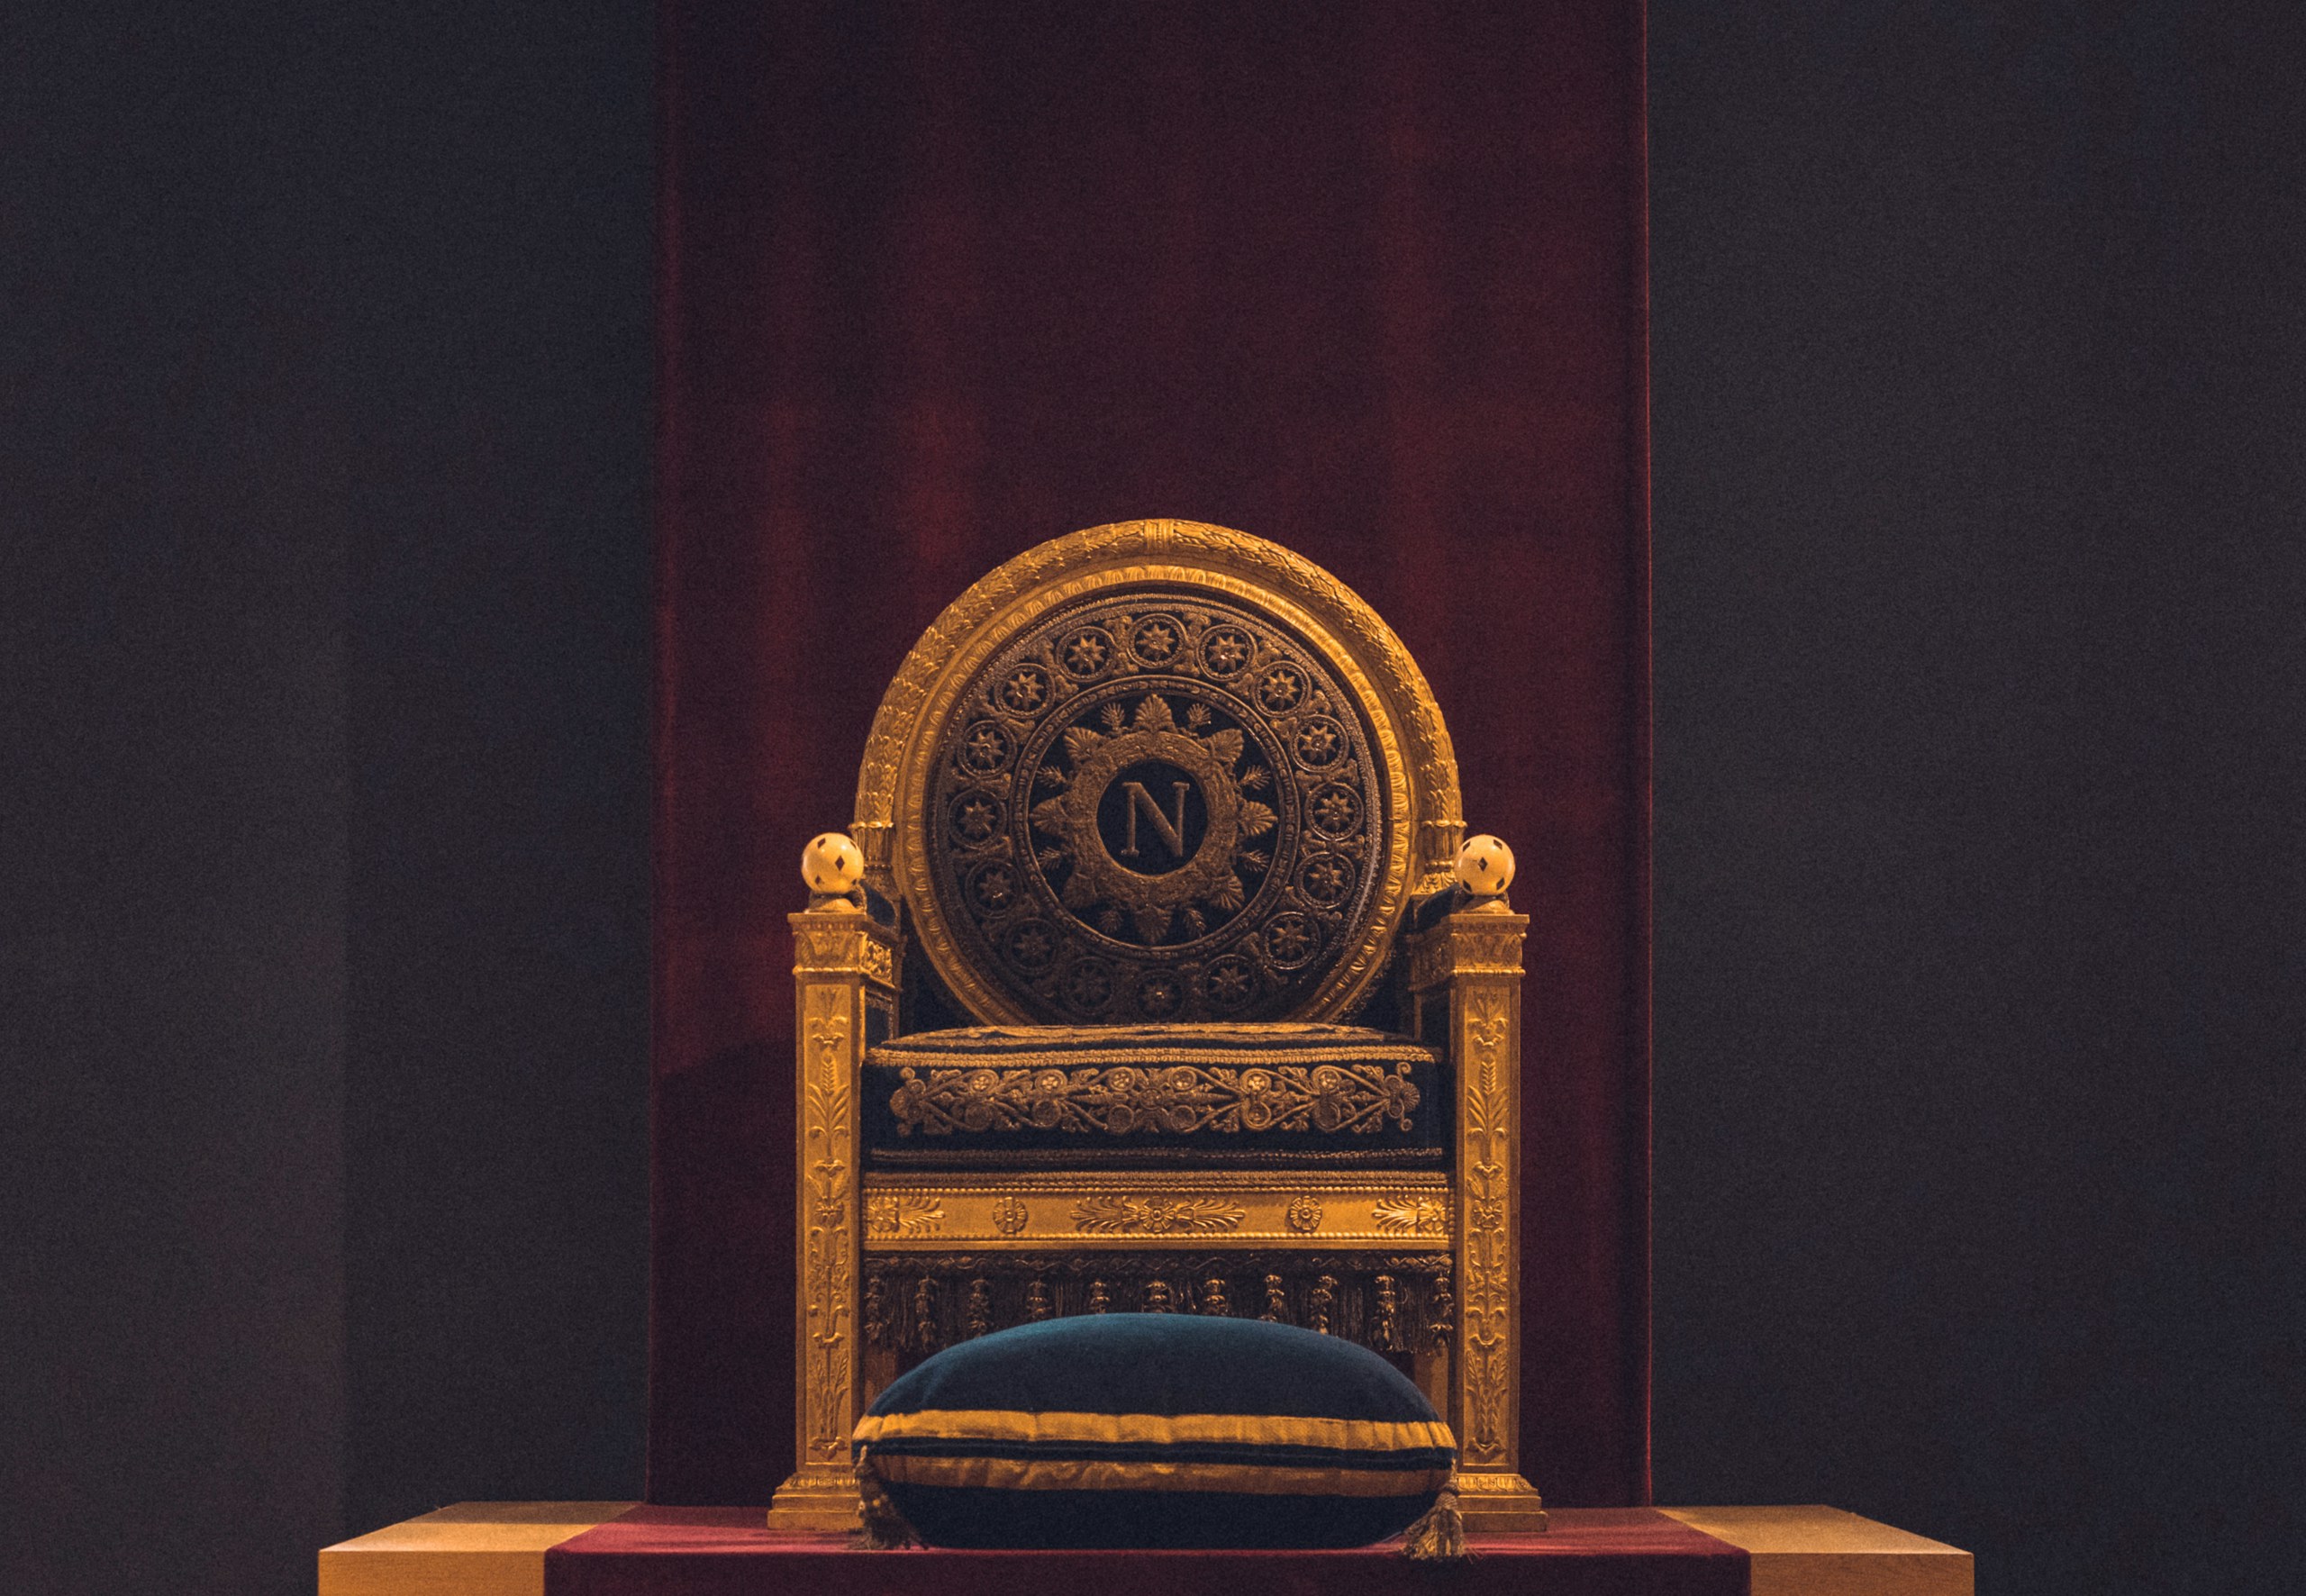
(1158, 772)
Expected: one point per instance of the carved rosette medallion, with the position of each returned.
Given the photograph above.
(1149, 809)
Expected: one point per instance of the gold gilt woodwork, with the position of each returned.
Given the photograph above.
(852, 945)
(943, 1242)
(1486, 946)
(842, 962)
(902, 1213)
(1255, 1210)
(829, 1165)
(1465, 973)
(1120, 1213)
(1410, 1213)
(1486, 1169)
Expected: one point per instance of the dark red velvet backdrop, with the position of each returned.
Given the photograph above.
(943, 281)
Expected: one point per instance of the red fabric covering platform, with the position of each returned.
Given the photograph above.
(655, 1551)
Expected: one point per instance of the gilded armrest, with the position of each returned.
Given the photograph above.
(1464, 996)
(846, 966)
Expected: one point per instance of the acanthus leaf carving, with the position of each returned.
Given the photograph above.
(1120, 1213)
(1409, 1213)
(904, 1213)
(845, 949)
(1487, 1304)
(827, 1363)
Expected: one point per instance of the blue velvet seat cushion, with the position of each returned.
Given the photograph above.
(1139, 1429)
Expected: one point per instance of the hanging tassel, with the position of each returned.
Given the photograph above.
(1440, 1537)
(884, 1528)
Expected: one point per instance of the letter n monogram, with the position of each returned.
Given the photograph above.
(1171, 832)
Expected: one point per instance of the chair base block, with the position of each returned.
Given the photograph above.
(815, 1502)
(1499, 1504)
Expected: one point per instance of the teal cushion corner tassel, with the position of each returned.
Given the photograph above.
(1151, 1430)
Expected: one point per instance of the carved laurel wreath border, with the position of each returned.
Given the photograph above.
(1413, 744)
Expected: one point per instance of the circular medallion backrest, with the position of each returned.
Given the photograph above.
(1157, 771)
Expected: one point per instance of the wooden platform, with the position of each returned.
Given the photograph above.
(1815, 1551)
(497, 1548)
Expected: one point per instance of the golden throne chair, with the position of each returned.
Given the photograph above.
(1155, 979)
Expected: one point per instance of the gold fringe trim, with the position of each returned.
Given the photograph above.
(884, 1528)
(1440, 1537)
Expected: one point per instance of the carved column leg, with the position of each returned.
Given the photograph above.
(845, 964)
(1466, 980)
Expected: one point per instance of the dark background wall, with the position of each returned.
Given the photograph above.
(325, 366)
(324, 377)
(1980, 425)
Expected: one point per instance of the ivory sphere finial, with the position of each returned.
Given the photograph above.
(1486, 866)
(832, 865)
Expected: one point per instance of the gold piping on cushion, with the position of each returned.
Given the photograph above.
(1056, 1474)
(1156, 1429)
